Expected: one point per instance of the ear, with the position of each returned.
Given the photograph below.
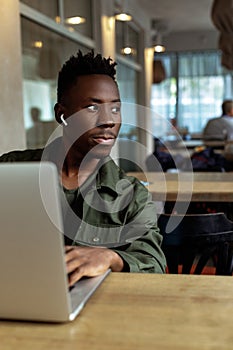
(59, 110)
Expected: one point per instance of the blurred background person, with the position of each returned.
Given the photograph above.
(221, 128)
(35, 136)
(39, 133)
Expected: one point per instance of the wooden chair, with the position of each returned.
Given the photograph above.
(195, 239)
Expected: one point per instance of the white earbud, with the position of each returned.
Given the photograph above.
(63, 120)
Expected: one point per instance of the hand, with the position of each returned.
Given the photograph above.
(90, 261)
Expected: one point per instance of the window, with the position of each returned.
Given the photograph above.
(127, 82)
(193, 90)
(48, 8)
(127, 40)
(128, 71)
(79, 10)
(44, 50)
(75, 15)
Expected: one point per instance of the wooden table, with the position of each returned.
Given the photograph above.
(200, 143)
(139, 312)
(191, 144)
(188, 186)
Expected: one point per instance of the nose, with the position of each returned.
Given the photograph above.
(105, 118)
(106, 124)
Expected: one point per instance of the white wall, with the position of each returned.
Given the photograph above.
(12, 133)
(185, 41)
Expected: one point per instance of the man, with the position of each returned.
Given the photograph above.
(110, 221)
(221, 128)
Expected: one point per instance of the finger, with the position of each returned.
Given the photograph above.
(75, 276)
(71, 254)
(73, 264)
(68, 248)
(82, 271)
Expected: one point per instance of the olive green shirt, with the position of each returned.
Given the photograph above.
(112, 210)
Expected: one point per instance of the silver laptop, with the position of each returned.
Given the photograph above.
(34, 283)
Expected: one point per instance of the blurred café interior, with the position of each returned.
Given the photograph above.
(167, 95)
(174, 70)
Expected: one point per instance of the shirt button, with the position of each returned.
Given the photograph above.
(96, 239)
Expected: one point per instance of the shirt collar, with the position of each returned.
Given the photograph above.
(107, 175)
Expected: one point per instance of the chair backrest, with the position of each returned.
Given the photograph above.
(208, 160)
(196, 235)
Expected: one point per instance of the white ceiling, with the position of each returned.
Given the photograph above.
(180, 15)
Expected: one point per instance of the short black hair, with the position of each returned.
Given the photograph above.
(227, 106)
(83, 64)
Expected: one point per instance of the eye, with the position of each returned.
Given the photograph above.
(116, 109)
(93, 108)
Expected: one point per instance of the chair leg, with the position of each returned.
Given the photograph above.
(172, 256)
(205, 256)
(188, 257)
(229, 268)
(222, 259)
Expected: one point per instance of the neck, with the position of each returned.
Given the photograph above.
(75, 170)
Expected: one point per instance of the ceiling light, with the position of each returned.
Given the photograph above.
(127, 47)
(38, 44)
(158, 28)
(127, 50)
(124, 17)
(75, 20)
(157, 43)
(159, 48)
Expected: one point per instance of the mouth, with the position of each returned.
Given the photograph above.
(107, 139)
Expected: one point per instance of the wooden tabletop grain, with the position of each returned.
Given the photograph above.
(139, 311)
(188, 186)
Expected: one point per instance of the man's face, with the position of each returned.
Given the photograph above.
(92, 112)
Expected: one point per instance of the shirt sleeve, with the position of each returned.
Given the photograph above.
(144, 254)
(21, 156)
